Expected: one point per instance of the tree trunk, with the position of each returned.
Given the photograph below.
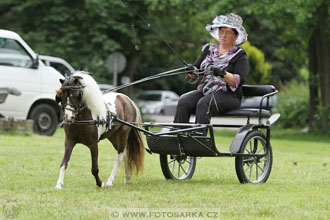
(313, 78)
(319, 62)
(323, 53)
(132, 63)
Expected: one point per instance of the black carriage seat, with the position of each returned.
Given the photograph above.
(254, 90)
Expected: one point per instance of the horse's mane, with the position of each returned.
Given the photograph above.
(92, 95)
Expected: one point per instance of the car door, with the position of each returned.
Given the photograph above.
(16, 70)
(171, 101)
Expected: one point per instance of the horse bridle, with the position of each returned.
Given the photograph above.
(76, 108)
(67, 89)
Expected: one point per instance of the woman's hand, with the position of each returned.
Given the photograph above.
(229, 78)
(191, 70)
(192, 76)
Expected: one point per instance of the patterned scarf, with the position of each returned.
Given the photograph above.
(210, 82)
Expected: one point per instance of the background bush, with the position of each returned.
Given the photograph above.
(293, 105)
(321, 121)
(259, 69)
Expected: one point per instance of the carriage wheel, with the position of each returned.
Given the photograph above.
(252, 169)
(177, 167)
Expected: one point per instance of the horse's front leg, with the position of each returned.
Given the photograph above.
(67, 154)
(118, 160)
(95, 166)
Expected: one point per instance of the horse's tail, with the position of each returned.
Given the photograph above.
(135, 147)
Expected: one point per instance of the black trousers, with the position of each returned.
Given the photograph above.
(196, 102)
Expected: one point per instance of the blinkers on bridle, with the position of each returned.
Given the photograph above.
(68, 89)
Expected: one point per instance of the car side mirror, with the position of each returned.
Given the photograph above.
(35, 63)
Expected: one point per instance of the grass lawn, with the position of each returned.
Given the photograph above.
(30, 168)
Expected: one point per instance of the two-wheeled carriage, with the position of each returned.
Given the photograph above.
(179, 144)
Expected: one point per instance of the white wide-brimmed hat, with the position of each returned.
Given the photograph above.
(231, 21)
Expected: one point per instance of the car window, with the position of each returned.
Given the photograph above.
(173, 96)
(61, 68)
(13, 54)
(149, 97)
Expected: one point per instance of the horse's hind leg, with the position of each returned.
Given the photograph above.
(67, 154)
(118, 160)
(127, 169)
(95, 166)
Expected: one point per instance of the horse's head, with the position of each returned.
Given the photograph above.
(70, 95)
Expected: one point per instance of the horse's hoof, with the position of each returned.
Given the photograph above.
(107, 185)
(58, 187)
(127, 180)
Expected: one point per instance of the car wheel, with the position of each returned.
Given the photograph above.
(45, 119)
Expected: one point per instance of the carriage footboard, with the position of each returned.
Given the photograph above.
(196, 146)
(181, 139)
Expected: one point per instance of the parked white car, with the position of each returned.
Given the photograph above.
(66, 69)
(58, 63)
(160, 102)
(21, 68)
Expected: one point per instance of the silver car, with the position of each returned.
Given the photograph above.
(160, 102)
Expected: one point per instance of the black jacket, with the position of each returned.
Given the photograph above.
(239, 64)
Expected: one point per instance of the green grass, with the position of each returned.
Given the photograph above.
(30, 168)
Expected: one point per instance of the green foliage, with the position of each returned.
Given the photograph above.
(82, 32)
(293, 105)
(259, 69)
(86, 32)
(321, 121)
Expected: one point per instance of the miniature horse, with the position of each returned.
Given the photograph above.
(88, 118)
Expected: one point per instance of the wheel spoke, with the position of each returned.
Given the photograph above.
(179, 169)
(250, 172)
(183, 169)
(249, 166)
(264, 159)
(256, 171)
(172, 171)
(262, 170)
(250, 159)
(249, 152)
(261, 149)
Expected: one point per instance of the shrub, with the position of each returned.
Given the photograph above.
(321, 121)
(259, 69)
(293, 105)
